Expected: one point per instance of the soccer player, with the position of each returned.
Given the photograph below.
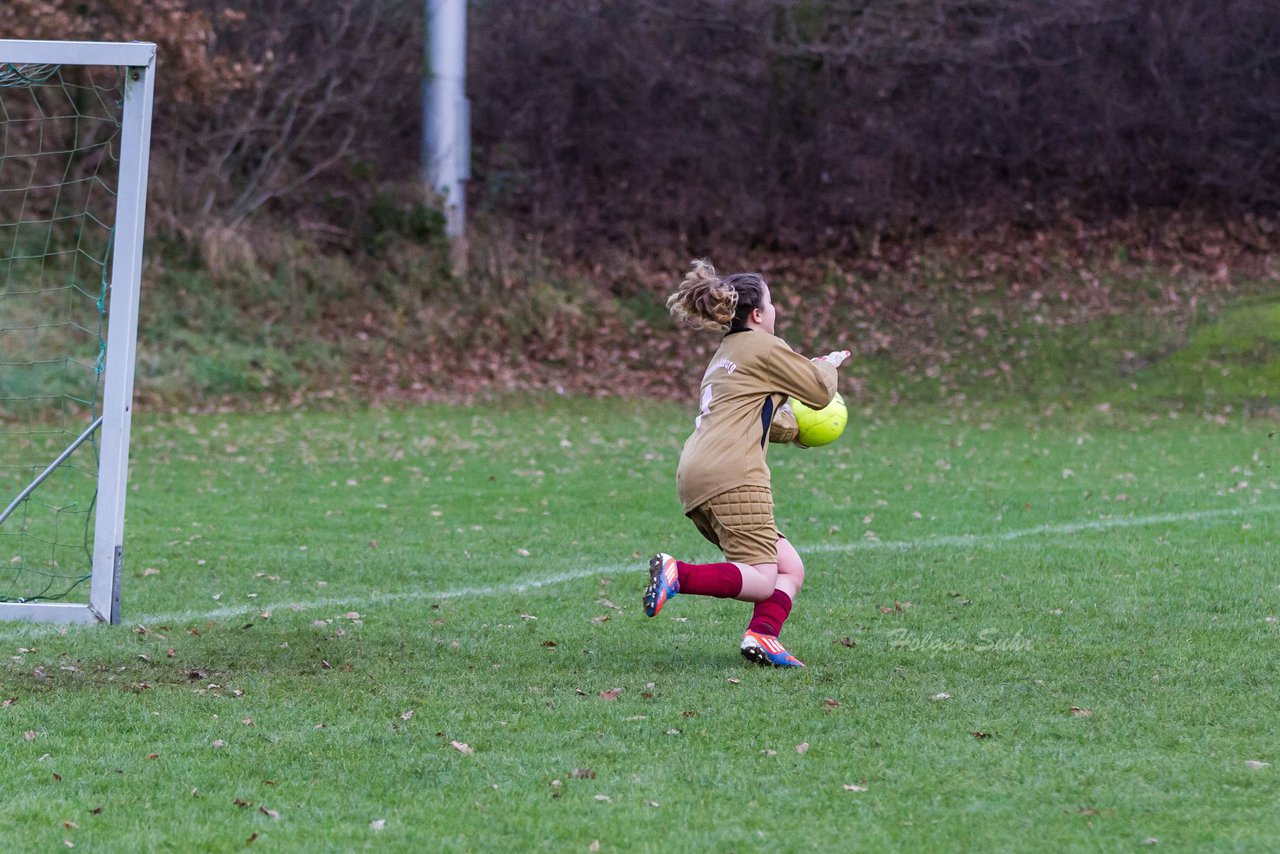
(722, 479)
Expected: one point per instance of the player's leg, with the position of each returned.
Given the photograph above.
(758, 581)
(726, 580)
(741, 523)
(790, 568)
(760, 643)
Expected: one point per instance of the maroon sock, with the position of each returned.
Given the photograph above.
(769, 615)
(723, 580)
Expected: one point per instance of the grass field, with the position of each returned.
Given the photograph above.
(420, 630)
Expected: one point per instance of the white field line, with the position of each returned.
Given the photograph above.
(945, 541)
(966, 540)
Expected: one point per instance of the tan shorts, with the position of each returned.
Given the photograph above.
(740, 522)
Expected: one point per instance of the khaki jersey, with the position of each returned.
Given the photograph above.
(749, 378)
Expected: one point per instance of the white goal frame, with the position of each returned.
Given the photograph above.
(139, 61)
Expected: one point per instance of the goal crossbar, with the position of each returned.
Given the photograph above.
(130, 54)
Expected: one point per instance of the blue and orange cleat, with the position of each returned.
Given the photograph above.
(765, 649)
(664, 582)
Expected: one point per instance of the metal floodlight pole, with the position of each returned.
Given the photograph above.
(446, 137)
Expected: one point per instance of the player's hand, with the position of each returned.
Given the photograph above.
(835, 357)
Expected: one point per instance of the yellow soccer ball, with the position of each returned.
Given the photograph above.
(820, 426)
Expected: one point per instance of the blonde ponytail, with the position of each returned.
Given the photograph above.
(704, 300)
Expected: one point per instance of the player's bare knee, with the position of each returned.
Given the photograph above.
(768, 574)
(790, 562)
(758, 581)
(793, 571)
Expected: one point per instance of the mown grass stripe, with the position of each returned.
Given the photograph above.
(945, 541)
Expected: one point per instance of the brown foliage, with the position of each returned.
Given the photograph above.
(801, 124)
(1019, 142)
(196, 70)
(276, 106)
(776, 124)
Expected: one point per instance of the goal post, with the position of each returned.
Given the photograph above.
(75, 135)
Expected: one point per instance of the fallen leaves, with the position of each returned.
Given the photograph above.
(463, 748)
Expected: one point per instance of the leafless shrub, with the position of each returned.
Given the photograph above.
(775, 123)
(797, 123)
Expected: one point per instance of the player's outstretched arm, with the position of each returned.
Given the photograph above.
(810, 381)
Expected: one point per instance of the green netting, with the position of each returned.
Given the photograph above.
(59, 153)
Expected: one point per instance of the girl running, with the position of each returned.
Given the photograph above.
(722, 478)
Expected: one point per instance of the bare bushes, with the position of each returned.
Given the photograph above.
(799, 124)
(784, 124)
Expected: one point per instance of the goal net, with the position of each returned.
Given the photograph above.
(74, 139)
